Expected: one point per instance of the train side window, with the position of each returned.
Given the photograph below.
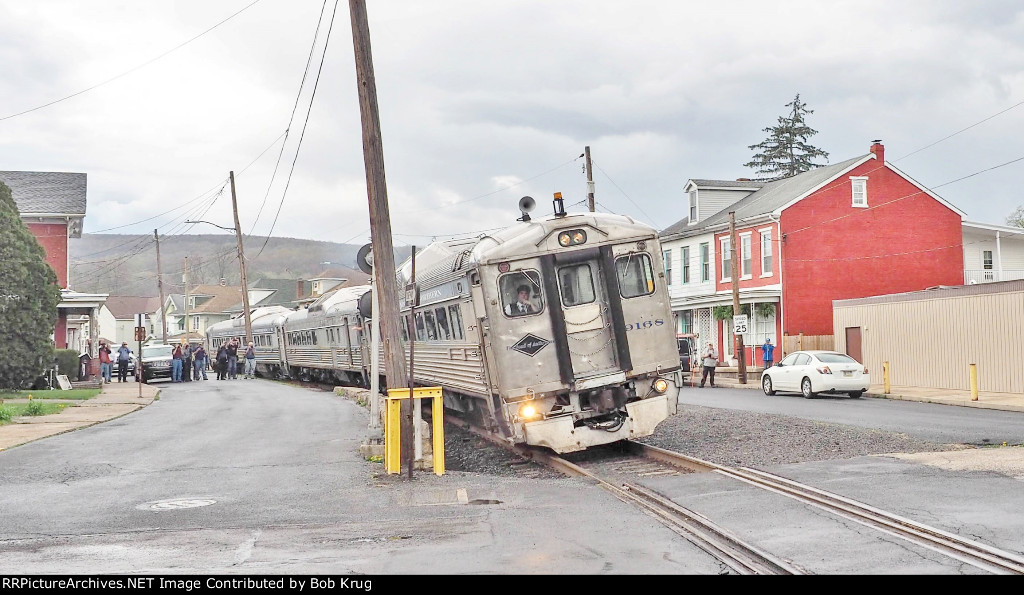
(421, 331)
(443, 333)
(430, 324)
(576, 283)
(405, 328)
(455, 316)
(635, 275)
(521, 293)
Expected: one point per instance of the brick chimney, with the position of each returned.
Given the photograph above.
(878, 150)
(300, 289)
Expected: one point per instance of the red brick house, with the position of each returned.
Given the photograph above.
(852, 229)
(52, 206)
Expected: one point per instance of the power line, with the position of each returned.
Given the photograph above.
(127, 72)
(959, 131)
(295, 107)
(298, 148)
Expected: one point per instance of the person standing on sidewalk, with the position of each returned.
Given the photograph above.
(710, 361)
(123, 357)
(250, 361)
(106, 365)
(176, 364)
(232, 350)
(199, 363)
(222, 361)
(768, 353)
(186, 363)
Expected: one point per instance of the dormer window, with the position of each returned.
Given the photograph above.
(693, 206)
(860, 191)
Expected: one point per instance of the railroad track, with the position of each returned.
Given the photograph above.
(619, 471)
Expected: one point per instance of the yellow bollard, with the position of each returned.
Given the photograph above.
(974, 382)
(885, 377)
(392, 426)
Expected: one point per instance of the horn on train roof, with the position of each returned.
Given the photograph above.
(526, 204)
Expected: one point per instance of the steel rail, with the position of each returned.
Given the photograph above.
(976, 554)
(732, 551)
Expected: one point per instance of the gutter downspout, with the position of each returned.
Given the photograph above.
(782, 289)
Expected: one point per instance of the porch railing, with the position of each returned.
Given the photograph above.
(973, 276)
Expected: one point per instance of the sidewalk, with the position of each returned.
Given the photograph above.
(117, 399)
(961, 398)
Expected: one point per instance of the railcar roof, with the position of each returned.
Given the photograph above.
(522, 238)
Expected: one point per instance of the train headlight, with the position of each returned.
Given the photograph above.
(528, 411)
(573, 237)
(660, 385)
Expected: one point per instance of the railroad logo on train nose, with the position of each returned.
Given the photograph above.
(530, 344)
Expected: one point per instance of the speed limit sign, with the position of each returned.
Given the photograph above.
(739, 324)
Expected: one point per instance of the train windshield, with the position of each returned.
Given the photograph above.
(521, 293)
(576, 283)
(635, 275)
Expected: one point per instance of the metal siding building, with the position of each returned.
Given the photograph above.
(931, 337)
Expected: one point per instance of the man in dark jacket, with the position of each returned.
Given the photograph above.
(232, 359)
(186, 363)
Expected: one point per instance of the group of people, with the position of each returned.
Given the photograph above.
(196, 361)
(710, 360)
(123, 358)
(188, 363)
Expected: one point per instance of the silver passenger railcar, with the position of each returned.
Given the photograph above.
(555, 332)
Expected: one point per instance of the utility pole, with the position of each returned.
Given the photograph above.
(160, 285)
(186, 301)
(741, 356)
(590, 180)
(241, 261)
(380, 216)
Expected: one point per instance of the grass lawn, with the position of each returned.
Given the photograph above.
(75, 394)
(11, 410)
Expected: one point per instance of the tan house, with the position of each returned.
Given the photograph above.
(930, 338)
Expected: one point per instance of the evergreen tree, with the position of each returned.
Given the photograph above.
(28, 299)
(786, 152)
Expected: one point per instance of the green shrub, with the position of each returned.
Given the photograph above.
(5, 414)
(67, 360)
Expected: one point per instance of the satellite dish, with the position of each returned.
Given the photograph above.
(364, 259)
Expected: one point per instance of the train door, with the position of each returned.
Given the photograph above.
(586, 312)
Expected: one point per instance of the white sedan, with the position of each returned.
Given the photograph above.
(813, 372)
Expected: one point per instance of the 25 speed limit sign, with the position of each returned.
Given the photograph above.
(739, 324)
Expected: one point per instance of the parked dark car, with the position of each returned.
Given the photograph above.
(155, 362)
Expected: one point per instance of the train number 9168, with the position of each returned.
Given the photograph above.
(644, 325)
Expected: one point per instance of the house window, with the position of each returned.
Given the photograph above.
(668, 266)
(766, 253)
(986, 263)
(195, 323)
(746, 258)
(693, 206)
(686, 264)
(726, 259)
(860, 191)
(705, 262)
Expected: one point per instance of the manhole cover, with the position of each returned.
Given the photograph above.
(179, 503)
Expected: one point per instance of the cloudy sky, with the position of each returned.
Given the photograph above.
(484, 102)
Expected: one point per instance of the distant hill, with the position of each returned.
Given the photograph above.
(126, 264)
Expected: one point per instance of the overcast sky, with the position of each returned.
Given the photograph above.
(482, 103)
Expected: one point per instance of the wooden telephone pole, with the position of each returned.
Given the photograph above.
(160, 285)
(380, 217)
(186, 300)
(590, 180)
(241, 262)
(741, 355)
